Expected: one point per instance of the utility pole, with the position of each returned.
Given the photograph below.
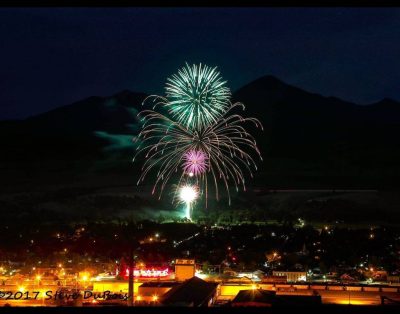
(131, 282)
(131, 245)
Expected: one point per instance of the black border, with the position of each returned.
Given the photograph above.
(198, 3)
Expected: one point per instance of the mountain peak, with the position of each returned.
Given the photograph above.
(127, 98)
(269, 80)
(270, 88)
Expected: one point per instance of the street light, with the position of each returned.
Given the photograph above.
(38, 277)
(84, 278)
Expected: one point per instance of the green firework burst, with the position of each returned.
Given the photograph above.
(197, 96)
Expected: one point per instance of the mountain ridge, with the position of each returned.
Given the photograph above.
(270, 80)
(306, 136)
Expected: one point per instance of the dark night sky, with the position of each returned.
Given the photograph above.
(54, 56)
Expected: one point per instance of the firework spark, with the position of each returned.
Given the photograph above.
(195, 97)
(199, 134)
(195, 162)
(188, 195)
(226, 143)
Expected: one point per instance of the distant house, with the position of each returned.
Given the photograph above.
(347, 277)
(292, 276)
(380, 275)
(193, 292)
(393, 278)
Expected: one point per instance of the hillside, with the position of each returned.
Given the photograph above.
(76, 160)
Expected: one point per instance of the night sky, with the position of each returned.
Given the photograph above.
(55, 56)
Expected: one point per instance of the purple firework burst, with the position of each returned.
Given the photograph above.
(195, 162)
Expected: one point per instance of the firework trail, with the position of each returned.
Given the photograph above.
(167, 144)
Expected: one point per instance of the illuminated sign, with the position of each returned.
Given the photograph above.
(184, 262)
(149, 273)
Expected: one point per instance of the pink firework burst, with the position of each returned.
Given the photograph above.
(195, 162)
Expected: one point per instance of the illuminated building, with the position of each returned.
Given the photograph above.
(274, 279)
(184, 269)
(393, 279)
(114, 286)
(292, 276)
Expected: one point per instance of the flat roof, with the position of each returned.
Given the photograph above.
(160, 284)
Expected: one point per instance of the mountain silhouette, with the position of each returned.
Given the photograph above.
(308, 139)
(310, 135)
